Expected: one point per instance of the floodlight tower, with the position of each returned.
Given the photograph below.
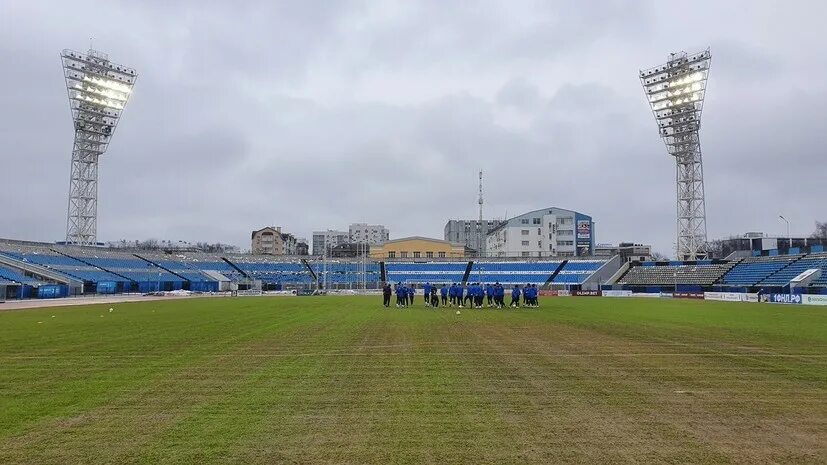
(676, 91)
(98, 91)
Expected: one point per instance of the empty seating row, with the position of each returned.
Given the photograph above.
(783, 276)
(15, 276)
(540, 267)
(751, 271)
(427, 267)
(577, 271)
(667, 275)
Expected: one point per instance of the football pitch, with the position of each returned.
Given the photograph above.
(260, 380)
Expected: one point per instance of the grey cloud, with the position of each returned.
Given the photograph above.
(315, 115)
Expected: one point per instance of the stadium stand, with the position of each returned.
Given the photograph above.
(48, 258)
(339, 272)
(271, 271)
(432, 272)
(669, 275)
(197, 279)
(15, 276)
(753, 270)
(514, 272)
(577, 271)
(145, 276)
(784, 275)
(38, 270)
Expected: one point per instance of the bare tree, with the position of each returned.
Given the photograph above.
(659, 257)
(715, 248)
(821, 231)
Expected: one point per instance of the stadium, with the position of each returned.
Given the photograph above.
(121, 354)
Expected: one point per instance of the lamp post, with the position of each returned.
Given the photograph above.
(789, 238)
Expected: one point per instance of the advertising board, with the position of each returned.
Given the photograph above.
(785, 298)
(611, 293)
(688, 295)
(814, 299)
(725, 296)
(584, 229)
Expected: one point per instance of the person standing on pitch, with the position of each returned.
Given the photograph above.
(468, 296)
(400, 293)
(434, 297)
(443, 292)
(427, 292)
(480, 291)
(386, 295)
(489, 294)
(499, 295)
(460, 292)
(411, 292)
(515, 296)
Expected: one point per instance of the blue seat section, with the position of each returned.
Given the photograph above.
(213, 264)
(63, 264)
(753, 270)
(430, 272)
(18, 277)
(133, 269)
(783, 276)
(347, 272)
(534, 272)
(183, 269)
(578, 271)
(276, 272)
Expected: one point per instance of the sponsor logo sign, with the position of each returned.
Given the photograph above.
(586, 293)
(650, 295)
(785, 298)
(724, 296)
(563, 293)
(611, 293)
(584, 229)
(548, 293)
(814, 299)
(688, 295)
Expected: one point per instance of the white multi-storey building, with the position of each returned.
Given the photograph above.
(550, 232)
(330, 238)
(371, 234)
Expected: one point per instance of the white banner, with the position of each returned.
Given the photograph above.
(617, 293)
(726, 296)
(814, 299)
(563, 293)
(653, 295)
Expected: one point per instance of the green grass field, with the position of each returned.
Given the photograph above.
(342, 380)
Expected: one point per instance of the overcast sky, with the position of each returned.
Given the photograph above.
(315, 114)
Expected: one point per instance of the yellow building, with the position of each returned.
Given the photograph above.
(419, 247)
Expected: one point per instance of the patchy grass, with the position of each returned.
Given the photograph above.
(343, 380)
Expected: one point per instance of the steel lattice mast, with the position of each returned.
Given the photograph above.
(676, 91)
(98, 92)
